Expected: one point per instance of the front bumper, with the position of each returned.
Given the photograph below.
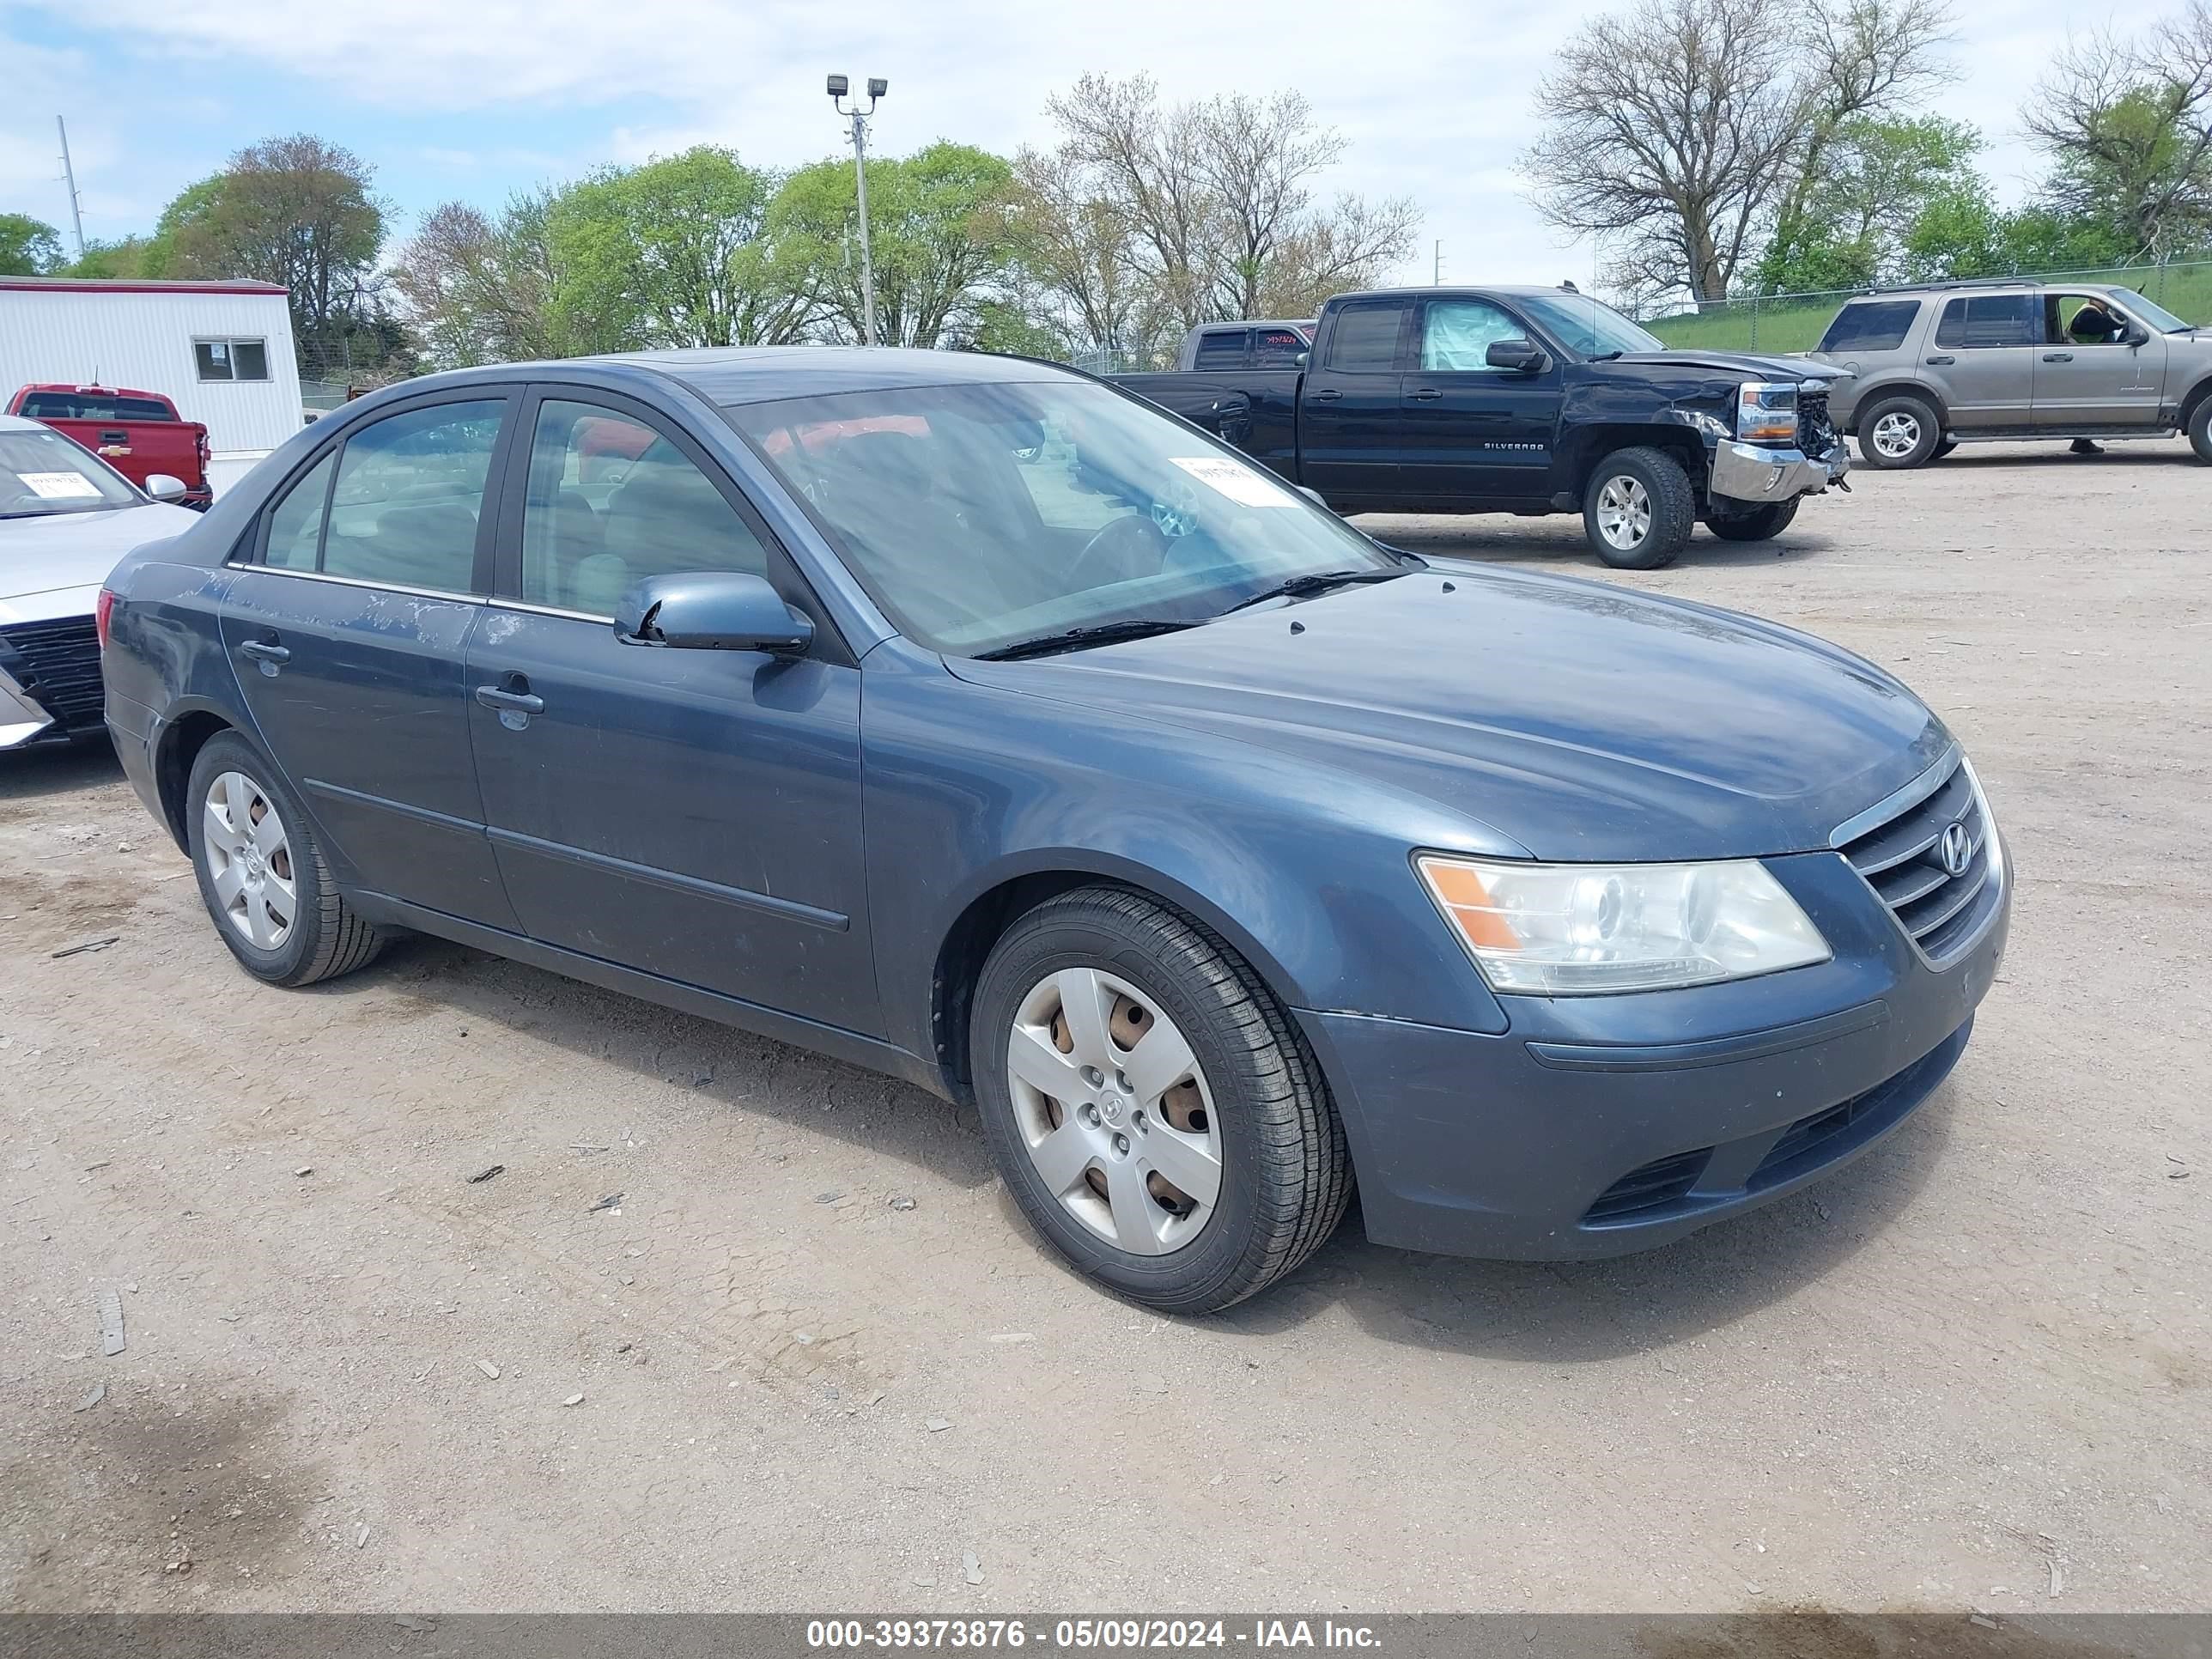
(1756, 475)
(49, 687)
(1597, 1126)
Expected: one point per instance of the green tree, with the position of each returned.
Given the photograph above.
(1879, 178)
(938, 231)
(29, 246)
(128, 259)
(671, 253)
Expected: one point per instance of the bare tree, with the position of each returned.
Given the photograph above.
(476, 290)
(2128, 124)
(1681, 132)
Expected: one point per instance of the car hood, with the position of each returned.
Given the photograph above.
(52, 565)
(1750, 365)
(1574, 719)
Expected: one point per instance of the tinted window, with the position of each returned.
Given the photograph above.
(85, 406)
(410, 488)
(610, 502)
(1457, 334)
(1276, 348)
(1994, 319)
(295, 528)
(1871, 325)
(1365, 338)
(1221, 348)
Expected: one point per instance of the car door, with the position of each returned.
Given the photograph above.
(1351, 421)
(1982, 360)
(1473, 432)
(2089, 375)
(692, 814)
(347, 624)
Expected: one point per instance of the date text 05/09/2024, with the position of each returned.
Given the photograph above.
(1089, 1634)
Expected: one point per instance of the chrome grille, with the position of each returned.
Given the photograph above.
(58, 666)
(1897, 846)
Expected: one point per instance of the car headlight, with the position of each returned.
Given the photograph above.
(1585, 929)
(1766, 411)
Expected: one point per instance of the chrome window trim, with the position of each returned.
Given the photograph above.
(549, 610)
(354, 581)
(1898, 801)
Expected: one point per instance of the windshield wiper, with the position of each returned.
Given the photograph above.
(1073, 639)
(1297, 587)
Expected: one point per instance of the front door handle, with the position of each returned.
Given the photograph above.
(1941, 362)
(1427, 394)
(2058, 356)
(515, 702)
(1327, 397)
(269, 654)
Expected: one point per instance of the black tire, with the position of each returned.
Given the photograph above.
(1944, 448)
(1286, 1175)
(1759, 524)
(2200, 429)
(1671, 503)
(1899, 432)
(325, 938)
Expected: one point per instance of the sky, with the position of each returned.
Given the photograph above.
(473, 99)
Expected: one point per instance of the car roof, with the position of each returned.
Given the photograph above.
(731, 375)
(1508, 290)
(22, 423)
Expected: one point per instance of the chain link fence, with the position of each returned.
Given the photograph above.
(1796, 322)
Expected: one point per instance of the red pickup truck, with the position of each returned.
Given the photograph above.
(138, 433)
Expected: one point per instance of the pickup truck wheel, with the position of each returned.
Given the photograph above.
(1153, 1111)
(2200, 429)
(1759, 524)
(1899, 432)
(1638, 509)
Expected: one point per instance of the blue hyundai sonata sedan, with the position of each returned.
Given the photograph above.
(967, 719)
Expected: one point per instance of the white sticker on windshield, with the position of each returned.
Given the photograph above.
(60, 486)
(1240, 483)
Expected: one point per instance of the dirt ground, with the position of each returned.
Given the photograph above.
(1974, 1371)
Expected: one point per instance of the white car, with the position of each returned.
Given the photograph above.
(65, 518)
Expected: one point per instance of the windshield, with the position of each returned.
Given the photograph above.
(43, 473)
(1590, 326)
(981, 516)
(2154, 317)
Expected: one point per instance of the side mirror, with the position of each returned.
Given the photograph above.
(1521, 356)
(1303, 359)
(711, 611)
(2134, 334)
(163, 487)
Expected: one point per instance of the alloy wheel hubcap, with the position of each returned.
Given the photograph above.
(249, 858)
(1114, 1111)
(1896, 434)
(1623, 511)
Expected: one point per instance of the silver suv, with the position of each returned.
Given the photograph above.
(1962, 363)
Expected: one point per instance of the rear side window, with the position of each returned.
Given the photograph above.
(409, 490)
(295, 528)
(1221, 348)
(1993, 320)
(1276, 348)
(1871, 325)
(1364, 338)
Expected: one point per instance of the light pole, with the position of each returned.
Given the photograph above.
(877, 87)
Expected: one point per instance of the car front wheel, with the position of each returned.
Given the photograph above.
(1759, 524)
(1638, 509)
(1153, 1111)
(261, 874)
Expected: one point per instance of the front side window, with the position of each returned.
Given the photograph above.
(232, 359)
(409, 491)
(1220, 348)
(1871, 325)
(2081, 320)
(1364, 338)
(1588, 326)
(1991, 320)
(43, 473)
(1457, 335)
(978, 516)
(610, 501)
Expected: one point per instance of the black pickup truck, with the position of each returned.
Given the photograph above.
(1526, 400)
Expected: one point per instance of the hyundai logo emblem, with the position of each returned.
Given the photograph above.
(1956, 849)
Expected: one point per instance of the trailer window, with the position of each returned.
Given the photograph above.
(232, 359)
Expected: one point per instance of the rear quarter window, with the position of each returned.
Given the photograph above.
(1221, 349)
(1871, 325)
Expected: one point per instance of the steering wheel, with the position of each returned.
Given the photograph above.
(1124, 548)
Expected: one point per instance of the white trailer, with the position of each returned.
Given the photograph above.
(221, 350)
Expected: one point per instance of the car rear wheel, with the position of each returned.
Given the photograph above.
(262, 876)
(1759, 524)
(1899, 432)
(2200, 429)
(1638, 509)
(1153, 1111)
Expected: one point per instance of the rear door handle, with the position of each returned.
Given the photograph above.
(1941, 362)
(265, 651)
(1427, 394)
(1327, 397)
(518, 702)
(2058, 356)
